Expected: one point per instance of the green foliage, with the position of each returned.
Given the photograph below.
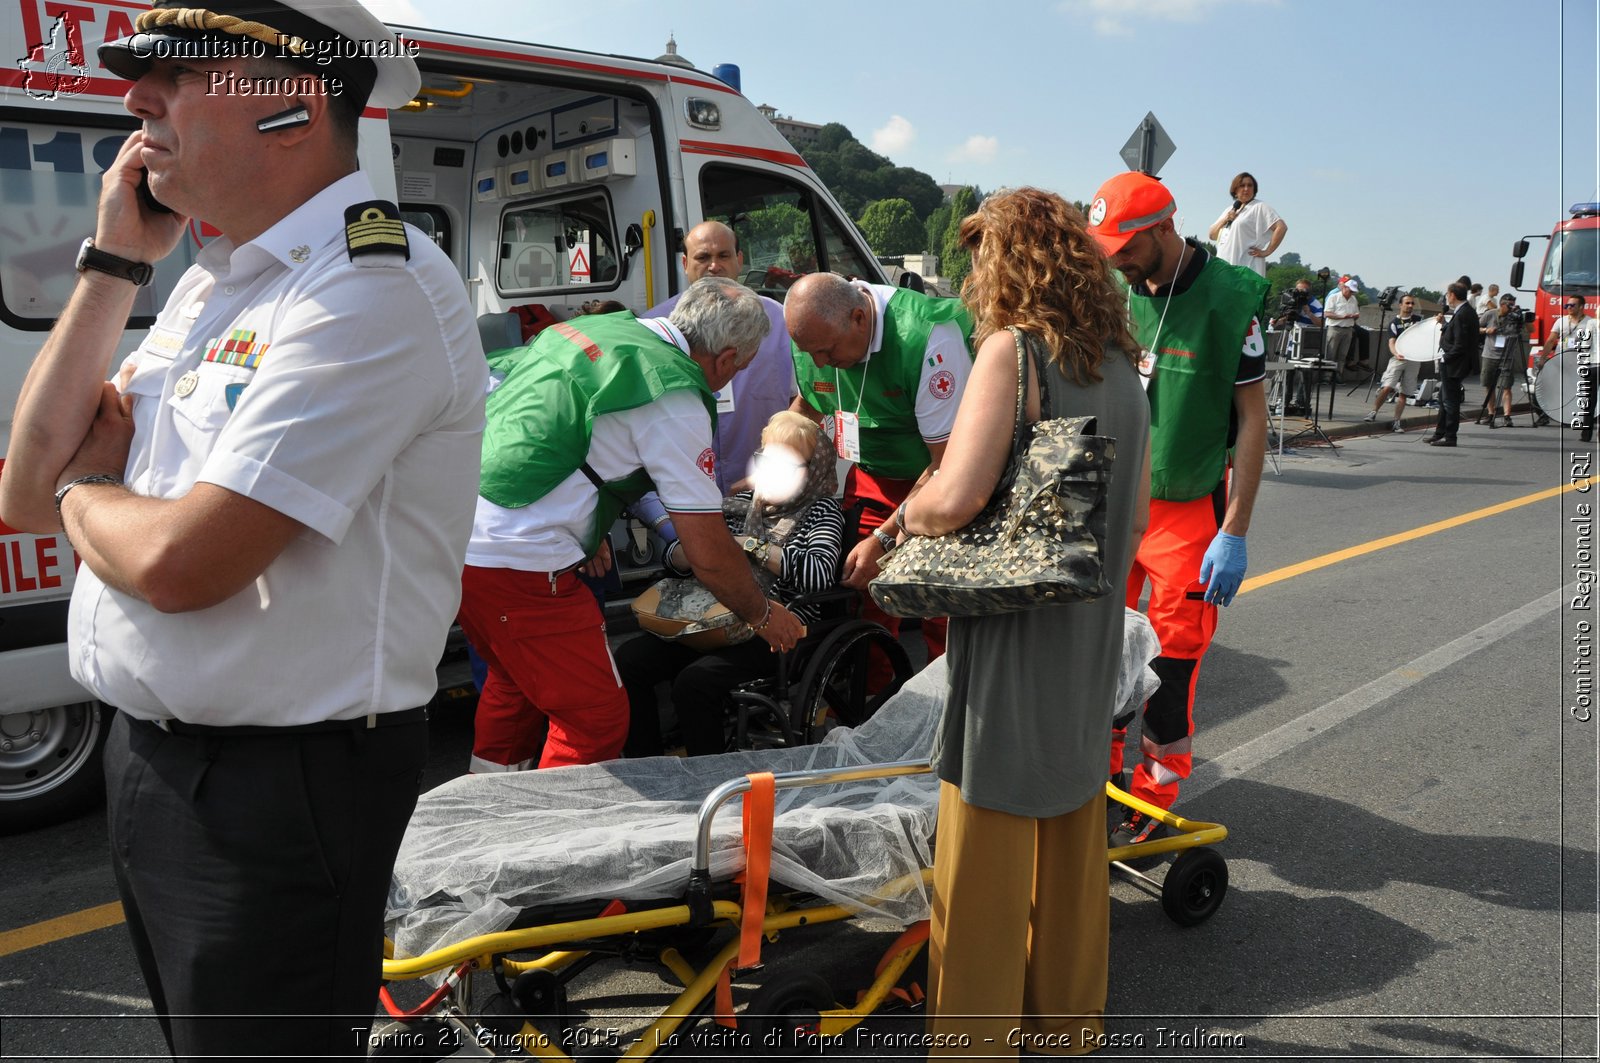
(934, 229)
(955, 261)
(857, 175)
(1428, 295)
(767, 236)
(891, 227)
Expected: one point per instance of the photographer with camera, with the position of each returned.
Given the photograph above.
(1400, 375)
(1296, 306)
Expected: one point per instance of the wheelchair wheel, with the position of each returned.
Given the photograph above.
(835, 678)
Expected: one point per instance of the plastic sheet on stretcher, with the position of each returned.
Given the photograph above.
(480, 849)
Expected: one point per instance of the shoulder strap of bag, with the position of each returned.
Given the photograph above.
(1022, 392)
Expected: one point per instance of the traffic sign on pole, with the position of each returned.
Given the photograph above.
(1149, 148)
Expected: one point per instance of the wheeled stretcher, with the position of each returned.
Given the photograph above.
(534, 876)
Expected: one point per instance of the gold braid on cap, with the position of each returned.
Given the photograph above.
(202, 21)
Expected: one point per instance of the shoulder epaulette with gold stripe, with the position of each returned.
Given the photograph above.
(375, 228)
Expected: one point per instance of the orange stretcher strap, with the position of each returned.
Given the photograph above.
(723, 1014)
(758, 810)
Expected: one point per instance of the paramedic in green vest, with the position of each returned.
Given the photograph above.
(583, 421)
(1204, 368)
(883, 369)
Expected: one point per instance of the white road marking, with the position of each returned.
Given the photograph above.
(1243, 759)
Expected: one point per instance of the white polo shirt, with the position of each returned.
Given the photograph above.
(669, 438)
(346, 396)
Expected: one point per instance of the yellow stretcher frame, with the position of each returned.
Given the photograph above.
(481, 952)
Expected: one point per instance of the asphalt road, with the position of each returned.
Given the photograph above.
(1390, 737)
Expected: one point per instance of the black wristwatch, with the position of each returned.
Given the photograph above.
(91, 257)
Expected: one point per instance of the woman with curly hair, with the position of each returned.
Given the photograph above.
(1021, 910)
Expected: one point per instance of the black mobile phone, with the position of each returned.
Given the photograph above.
(148, 198)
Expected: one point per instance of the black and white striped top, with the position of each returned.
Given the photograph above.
(811, 555)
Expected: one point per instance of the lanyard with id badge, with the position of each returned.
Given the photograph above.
(847, 423)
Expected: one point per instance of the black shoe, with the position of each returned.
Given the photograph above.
(1542, 421)
(1138, 828)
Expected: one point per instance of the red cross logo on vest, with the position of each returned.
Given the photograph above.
(942, 385)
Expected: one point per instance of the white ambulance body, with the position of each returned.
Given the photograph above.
(550, 176)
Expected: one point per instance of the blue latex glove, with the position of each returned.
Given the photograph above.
(1223, 568)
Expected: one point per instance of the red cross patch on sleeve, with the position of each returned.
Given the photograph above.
(942, 385)
(707, 461)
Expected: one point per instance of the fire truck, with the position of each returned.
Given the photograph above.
(549, 176)
(1571, 267)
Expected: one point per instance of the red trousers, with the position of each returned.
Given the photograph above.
(1169, 558)
(878, 496)
(551, 677)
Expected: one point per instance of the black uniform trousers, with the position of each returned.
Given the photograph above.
(254, 870)
(700, 686)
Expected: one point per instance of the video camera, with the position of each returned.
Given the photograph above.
(1291, 301)
(1388, 296)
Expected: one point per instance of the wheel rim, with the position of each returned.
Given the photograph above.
(1199, 893)
(842, 686)
(42, 749)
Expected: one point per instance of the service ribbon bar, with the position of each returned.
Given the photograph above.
(238, 348)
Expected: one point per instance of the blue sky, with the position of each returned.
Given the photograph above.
(1409, 142)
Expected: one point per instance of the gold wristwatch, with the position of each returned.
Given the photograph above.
(757, 548)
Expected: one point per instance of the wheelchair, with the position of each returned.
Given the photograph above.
(822, 682)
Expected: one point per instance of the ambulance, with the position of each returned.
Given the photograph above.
(551, 177)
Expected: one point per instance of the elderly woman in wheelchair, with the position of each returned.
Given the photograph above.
(792, 531)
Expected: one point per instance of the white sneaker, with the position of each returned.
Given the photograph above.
(1372, 415)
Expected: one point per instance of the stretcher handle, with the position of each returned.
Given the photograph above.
(788, 780)
(698, 896)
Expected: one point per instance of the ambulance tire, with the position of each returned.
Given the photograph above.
(50, 764)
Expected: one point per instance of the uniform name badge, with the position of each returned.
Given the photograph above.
(847, 435)
(724, 401)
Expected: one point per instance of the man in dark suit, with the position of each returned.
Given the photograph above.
(1456, 344)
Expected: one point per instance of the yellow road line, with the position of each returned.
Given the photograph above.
(59, 929)
(111, 914)
(1289, 571)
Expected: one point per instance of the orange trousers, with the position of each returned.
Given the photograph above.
(1169, 559)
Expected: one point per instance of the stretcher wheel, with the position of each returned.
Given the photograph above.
(1194, 887)
(790, 1005)
(835, 679)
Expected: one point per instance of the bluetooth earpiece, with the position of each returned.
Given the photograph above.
(293, 117)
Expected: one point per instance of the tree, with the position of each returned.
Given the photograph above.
(891, 227)
(857, 175)
(955, 261)
(937, 223)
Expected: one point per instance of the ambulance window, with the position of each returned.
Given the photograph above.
(49, 192)
(776, 219)
(433, 221)
(557, 244)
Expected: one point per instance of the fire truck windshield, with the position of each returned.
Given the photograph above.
(1572, 267)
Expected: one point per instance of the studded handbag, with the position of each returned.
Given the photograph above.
(1038, 541)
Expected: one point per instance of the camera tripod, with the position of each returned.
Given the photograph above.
(1302, 352)
(1384, 303)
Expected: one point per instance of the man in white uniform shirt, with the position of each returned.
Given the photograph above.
(271, 515)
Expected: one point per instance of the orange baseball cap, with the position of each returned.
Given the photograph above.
(1126, 204)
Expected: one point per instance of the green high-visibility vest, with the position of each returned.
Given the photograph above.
(891, 444)
(540, 420)
(1191, 394)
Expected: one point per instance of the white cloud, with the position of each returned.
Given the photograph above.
(895, 137)
(977, 148)
(1111, 18)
